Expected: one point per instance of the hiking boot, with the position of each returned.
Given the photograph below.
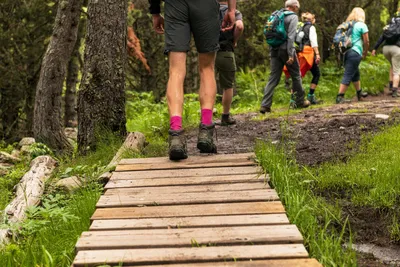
(361, 94)
(264, 110)
(227, 119)
(341, 100)
(395, 93)
(205, 142)
(177, 145)
(304, 104)
(312, 98)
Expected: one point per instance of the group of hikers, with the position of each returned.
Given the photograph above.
(217, 26)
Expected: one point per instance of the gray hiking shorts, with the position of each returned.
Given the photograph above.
(200, 17)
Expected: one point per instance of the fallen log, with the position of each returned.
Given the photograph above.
(28, 191)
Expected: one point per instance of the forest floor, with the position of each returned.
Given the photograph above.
(322, 134)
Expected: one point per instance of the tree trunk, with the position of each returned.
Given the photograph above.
(101, 98)
(47, 114)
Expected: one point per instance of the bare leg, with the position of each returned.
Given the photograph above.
(343, 88)
(177, 72)
(227, 97)
(208, 86)
(396, 80)
(357, 85)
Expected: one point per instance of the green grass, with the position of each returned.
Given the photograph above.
(49, 235)
(369, 178)
(317, 220)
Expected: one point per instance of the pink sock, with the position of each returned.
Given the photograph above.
(206, 116)
(175, 123)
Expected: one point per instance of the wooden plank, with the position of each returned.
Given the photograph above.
(189, 189)
(162, 199)
(189, 222)
(200, 159)
(188, 255)
(189, 237)
(226, 171)
(210, 180)
(182, 165)
(190, 210)
(258, 263)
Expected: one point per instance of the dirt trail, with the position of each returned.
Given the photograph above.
(321, 134)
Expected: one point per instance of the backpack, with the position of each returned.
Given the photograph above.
(302, 36)
(392, 32)
(342, 41)
(274, 30)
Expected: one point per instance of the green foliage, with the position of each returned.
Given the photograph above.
(320, 223)
(39, 149)
(49, 235)
(8, 181)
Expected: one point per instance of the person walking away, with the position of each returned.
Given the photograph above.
(391, 50)
(308, 55)
(353, 56)
(201, 18)
(225, 62)
(282, 55)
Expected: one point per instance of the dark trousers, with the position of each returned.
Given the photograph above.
(278, 60)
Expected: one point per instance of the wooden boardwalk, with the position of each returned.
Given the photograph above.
(204, 211)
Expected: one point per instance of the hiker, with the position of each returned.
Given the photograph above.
(353, 56)
(285, 54)
(183, 17)
(308, 53)
(391, 50)
(225, 62)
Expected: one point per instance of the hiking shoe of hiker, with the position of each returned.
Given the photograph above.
(264, 110)
(361, 94)
(205, 142)
(341, 100)
(395, 93)
(177, 145)
(312, 98)
(304, 104)
(227, 120)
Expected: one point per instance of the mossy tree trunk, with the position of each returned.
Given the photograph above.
(47, 126)
(101, 98)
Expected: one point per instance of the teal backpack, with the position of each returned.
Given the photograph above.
(274, 30)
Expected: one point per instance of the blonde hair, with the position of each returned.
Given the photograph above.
(308, 17)
(357, 14)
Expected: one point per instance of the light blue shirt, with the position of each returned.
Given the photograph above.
(359, 29)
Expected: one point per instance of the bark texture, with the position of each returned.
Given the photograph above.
(48, 127)
(101, 98)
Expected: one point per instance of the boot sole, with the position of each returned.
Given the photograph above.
(206, 147)
(177, 155)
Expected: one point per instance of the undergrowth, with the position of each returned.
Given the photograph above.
(321, 224)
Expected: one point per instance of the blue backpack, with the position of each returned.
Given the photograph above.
(274, 30)
(342, 40)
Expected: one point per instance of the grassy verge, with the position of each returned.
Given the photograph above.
(368, 179)
(316, 219)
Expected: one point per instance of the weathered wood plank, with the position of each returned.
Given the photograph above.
(174, 173)
(162, 199)
(200, 159)
(189, 188)
(301, 262)
(189, 237)
(188, 255)
(189, 222)
(210, 180)
(190, 210)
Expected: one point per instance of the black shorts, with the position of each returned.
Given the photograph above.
(200, 17)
